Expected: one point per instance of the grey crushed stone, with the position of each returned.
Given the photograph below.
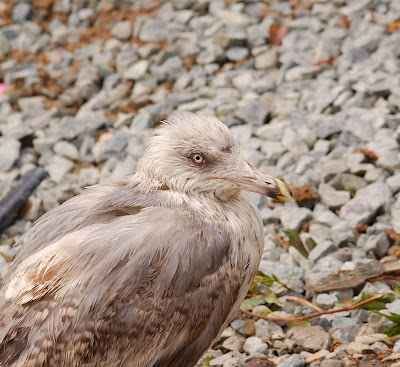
(99, 99)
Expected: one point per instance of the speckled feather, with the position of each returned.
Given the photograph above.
(145, 272)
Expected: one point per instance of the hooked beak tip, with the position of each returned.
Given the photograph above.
(285, 194)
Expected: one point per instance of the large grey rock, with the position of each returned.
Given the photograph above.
(293, 217)
(272, 150)
(396, 347)
(9, 153)
(319, 232)
(312, 338)
(366, 204)
(266, 59)
(395, 212)
(153, 30)
(332, 198)
(331, 363)
(21, 12)
(267, 330)
(255, 344)
(377, 243)
(66, 149)
(137, 70)
(347, 181)
(88, 176)
(234, 342)
(324, 216)
(326, 301)
(394, 183)
(288, 274)
(330, 168)
(237, 53)
(292, 143)
(322, 249)
(296, 360)
(272, 131)
(253, 113)
(341, 232)
(345, 334)
(4, 45)
(233, 17)
(58, 168)
(394, 307)
(122, 30)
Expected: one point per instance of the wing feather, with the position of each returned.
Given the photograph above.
(151, 289)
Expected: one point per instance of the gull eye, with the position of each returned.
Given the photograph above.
(197, 158)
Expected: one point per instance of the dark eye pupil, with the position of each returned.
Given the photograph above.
(198, 157)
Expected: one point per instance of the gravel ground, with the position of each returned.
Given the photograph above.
(310, 89)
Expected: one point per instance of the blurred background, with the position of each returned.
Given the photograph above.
(309, 88)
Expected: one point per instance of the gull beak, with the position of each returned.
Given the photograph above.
(266, 185)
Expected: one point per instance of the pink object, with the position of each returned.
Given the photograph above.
(3, 88)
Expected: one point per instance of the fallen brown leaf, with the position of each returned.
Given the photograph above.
(302, 193)
(361, 229)
(394, 250)
(6, 13)
(393, 235)
(372, 157)
(277, 32)
(394, 26)
(301, 5)
(305, 228)
(43, 4)
(345, 22)
(325, 62)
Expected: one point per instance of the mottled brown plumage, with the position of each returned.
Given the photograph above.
(145, 272)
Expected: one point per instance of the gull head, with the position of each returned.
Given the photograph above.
(196, 154)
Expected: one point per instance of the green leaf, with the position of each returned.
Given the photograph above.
(254, 288)
(206, 361)
(347, 188)
(394, 318)
(397, 291)
(270, 297)
(249, 303)
(264, 278)
(392, 331)
(265, 312)
(295, 241)
(346, 302)
(374, 305)
(378, 304)
(299, 323)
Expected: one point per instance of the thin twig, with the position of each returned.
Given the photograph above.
(286, 285)
(7, 257)
(304, 302)
(377, 20)
(384, 277)
(249, 295)
(307, 317)
(283, 243)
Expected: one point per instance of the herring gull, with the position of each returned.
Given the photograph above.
(145, 272)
